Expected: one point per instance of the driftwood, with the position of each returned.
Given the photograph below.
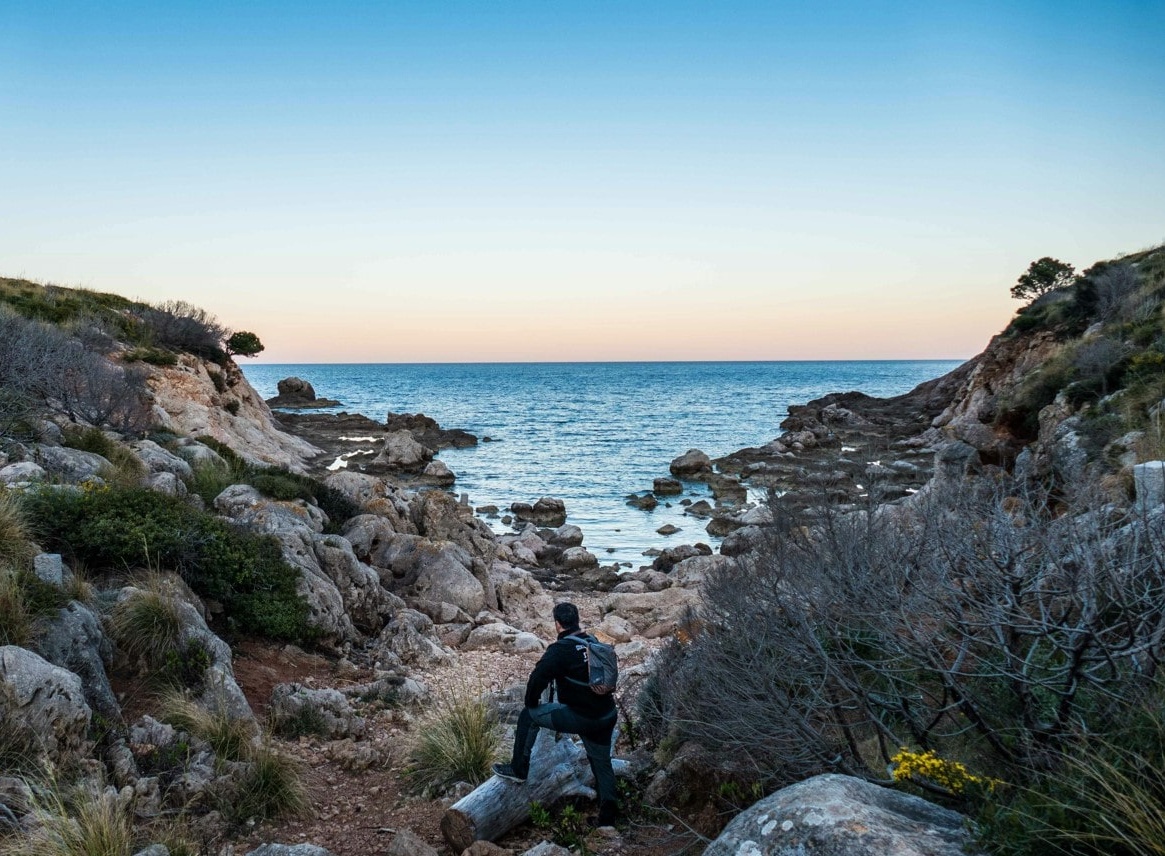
(557, 769)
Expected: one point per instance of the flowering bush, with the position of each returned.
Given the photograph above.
(952, 776)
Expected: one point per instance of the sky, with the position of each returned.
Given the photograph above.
(497, 181)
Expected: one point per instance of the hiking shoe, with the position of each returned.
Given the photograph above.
(608, 815)
(507, 772)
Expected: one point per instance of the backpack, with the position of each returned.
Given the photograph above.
(602, 665)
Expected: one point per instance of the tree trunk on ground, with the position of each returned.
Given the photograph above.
(557, 769)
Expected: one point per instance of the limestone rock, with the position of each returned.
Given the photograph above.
(693, 464)
(653, 614)
(198, 454)
(407, 843)
(70, 465)
(577, 557)
(567, 535)
(289, 850)
(1149, 479)
(45, 702)
(159, 460)
(22, 471)
(366, 601)
(73, 639)
(834, 815)
(499, 636)
(547, 511)
(439, 474)
(408, 639)
(433, 570)
(402, 452)
(667, 487)
(522, 600)
(328, 709)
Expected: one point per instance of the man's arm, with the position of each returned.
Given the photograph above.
(548, 668)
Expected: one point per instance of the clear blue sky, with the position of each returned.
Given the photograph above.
(506, 180)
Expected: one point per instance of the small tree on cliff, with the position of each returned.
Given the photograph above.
(244, 344)
(1043, 276)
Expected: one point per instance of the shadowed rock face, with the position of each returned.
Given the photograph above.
(298, 393)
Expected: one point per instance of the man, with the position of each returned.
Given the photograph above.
(578, 710)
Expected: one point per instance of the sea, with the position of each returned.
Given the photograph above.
(590, 434)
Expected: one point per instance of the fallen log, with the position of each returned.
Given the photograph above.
(558, 769)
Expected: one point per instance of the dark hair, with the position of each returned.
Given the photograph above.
(566, 614)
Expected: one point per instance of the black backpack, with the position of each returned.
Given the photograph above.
(602, 665)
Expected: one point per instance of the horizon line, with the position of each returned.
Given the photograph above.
(598, 362)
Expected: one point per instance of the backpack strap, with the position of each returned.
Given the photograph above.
(584, 641)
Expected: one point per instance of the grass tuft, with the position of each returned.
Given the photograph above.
(229, 738)
(16, 547)
(272, 788)
(456, 741)
(82, 823)
(147, 625)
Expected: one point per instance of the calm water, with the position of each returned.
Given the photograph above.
(591, 433)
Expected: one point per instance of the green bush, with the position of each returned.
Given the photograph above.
(153, 356)
(272, 788)
(119, 528)
(147, 625)
(127, 467)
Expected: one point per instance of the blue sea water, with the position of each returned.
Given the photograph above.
(591, 433)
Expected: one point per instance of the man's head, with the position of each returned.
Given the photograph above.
(566, 614)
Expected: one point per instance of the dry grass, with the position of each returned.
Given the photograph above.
(81, 823)
(147, 625)
(16, 547)
(456, 741)
(230, 738)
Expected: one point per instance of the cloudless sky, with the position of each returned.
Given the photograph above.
(497, 180)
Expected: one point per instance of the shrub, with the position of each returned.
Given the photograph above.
(307, 720)
(15, 617)
(183, 327)
(127, 467)
(244, 343)
(457, 741)
(153, 356)
(118, 528)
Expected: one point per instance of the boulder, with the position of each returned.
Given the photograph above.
(522, 600)
(577, 557)
(701, 508)
(70, 465)
(22, 471)
(499, 636)
(692, 465)
(439, 474)
(166, 483)
(432, 570)
(547, 511)
(198, 454)
(647, 502)
(408, 639)
(407, 843)
(294, 706)
(835, 815)
(402, 452)
(1149, 479)
(691, 573)
(50, 568)
(366, 601)
(289, 850)
(73, 639)
(667, 529)
(567, 535)
(45, 703)
(667, 487)
(666, 560)
(158, 460)
(652, 614)
(742, 541)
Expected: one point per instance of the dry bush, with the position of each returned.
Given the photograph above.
(456, 741)
(80, 822)
(989, 627)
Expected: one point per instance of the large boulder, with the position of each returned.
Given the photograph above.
(692, 464)
(834, 815)
(522, 600)
(158, 460)
(295, 392)
(70, 465)
(73, 639)
(653, 614)
(439, 571)
(366, 601)
(402, 452)
(408, 639)
(547, 511)
(21, 472)
(1149, 479)
(44, 703)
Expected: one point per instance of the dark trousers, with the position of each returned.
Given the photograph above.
(595, 733)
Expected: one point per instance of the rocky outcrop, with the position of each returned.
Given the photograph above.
(427, 432)
(833, 815)
(693, 464)
(295, 392)
(73, 639)
(547, 511)
(298, 709)
(203, 399)
(44, 704)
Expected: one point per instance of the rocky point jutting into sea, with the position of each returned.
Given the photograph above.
(950, 587)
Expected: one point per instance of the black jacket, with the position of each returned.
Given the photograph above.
(567, 658)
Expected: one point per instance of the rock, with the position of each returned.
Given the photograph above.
(406, 843)
(727, 488)
(154, 850)
(547, 848)
(672, 555)
(522, 600)
(49, 568)
(667, 529)
(439, 474)
(73, 639)
(742, 541)
(567, 535)
(426, 431)
(409, 639)
(296, 388)
(366, 601)
(721, 525)
(486, 848)
(701, 508)
(655, 611)
(834, 815)
(616, 628)
(70, 465)
(402, 452)
(1149, 479)
(289, 850)
(433, 570)
(692, 572)
(577, 557)
(198, 454)
(166, 483)
(647, 502)
(667, 487)
(158, 460)
(44, 702)
(327, 711)
(22, 471)
(501, 637)
(547, 511)
(693, 464)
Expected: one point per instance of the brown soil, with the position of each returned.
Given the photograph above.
(355, 811)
